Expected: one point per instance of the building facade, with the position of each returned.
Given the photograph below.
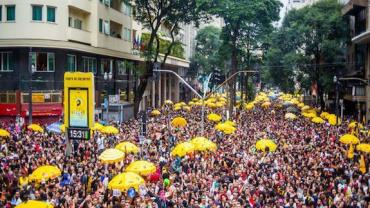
(355, 80)
(42, 39)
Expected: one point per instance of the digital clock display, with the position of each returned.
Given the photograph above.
(79, 133)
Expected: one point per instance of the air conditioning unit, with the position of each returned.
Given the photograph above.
(107, 2)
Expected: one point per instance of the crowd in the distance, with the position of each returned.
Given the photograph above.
(309, 168)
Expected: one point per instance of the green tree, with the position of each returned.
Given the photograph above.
(310, 46)
(154, 14)
(245, 22)
(206, 57)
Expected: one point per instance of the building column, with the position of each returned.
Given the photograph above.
(165, 88)
(177, 90)
(170, 87)
(153, 94)
(159, 91)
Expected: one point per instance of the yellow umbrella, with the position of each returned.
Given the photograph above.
(110, 156)
(333, 120)
(63, 128)
(318, 120)
(263, 144)
(349, 139)
(187, 108)
(203, 144)
(97, 127)
(34, 204)
(249, 106)
(182, 149)
(214, 117)
(177, 108)
(125, 181)
(353, 124)
(179, 122)
(225, 128)
(168, 102)
(45, 173)
(363, 147)
(4, 133)
(35, 128)
(266, 104)
(109, 130)
(324, 115)
(290, 116)
(230, 123)
(300, 105)
(141, 167)
(305, 108)
(155, 112)
(309, 115)
(127, 147)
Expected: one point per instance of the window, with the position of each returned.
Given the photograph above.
(121, 67)
(44, 62)
(71, 63)
(6, 61)
(127, 9)
(7, 97)
(100, 25)
(106, 28)
(127, 34)
(78, 24)
(10, 13)
(69, 21)
(106, 65)
(37, 13)
(50, 14)
(89, 64)
(1, 13)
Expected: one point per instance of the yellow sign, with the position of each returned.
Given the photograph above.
(38, 98)
(79, 100)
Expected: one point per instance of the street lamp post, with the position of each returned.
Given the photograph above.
(335, 79)
(107, 77)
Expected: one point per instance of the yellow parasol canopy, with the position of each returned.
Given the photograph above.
(364, 147)
(34, 204)
(353, 124)
(97, 127)
(179, 122)
(290, 116)
(125, 181)
(127, 147)
(182, 149)
(226, 128)
(141, 167)
(214, 117)
(266, 104)
(187, 108)
(109, 130)
(203, 144)
(155, 112)
(324, 115)
(249, 106)
(35, 128)
(168, 102)
(333, 120)
(45, 173)
(263, 144)
(230, 123)
(110, 156)
(349, 139)
(318, 120)
(4, 133)
(305, 108)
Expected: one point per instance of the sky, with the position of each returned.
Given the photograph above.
(282, 10)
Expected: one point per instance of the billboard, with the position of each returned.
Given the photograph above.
(79, 104)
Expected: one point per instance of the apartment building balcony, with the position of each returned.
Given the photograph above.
(78, 35)
(113, 43)
(352, 6)
(84, 5)
(355, 94)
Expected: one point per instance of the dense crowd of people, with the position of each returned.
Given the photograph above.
(309, 168)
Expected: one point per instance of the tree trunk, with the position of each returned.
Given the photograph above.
(232, 85)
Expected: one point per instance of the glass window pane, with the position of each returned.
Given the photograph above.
(10, 62)
(1, 13)
(94, 65)
(69, 21)
(100, 25)
(10, 13)
(37, 13)
(71, 63)
(41, 62)
(51, 14)
(51, 62)
(11, 98)
(78, 24)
